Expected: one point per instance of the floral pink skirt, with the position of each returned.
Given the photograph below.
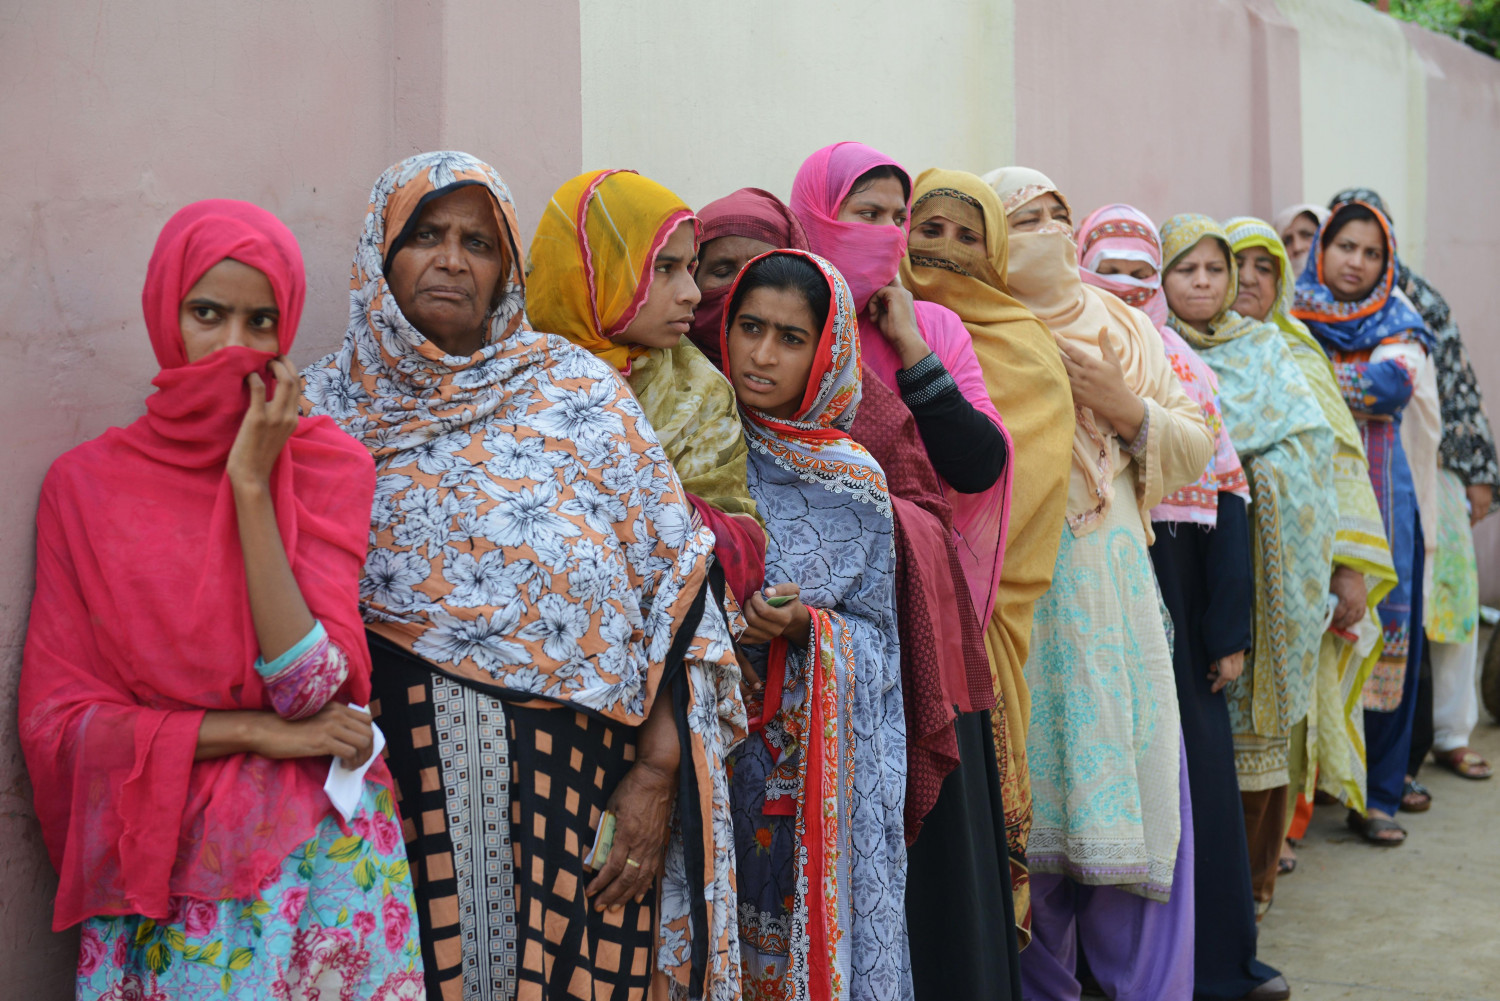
(334, 923)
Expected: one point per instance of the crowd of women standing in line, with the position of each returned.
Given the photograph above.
(772, 601)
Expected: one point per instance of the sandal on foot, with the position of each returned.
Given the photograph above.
(1415, 797)
(1370, 828)
(1287, 863)
(1464, 763)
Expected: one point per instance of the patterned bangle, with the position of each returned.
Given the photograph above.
(1137, 445)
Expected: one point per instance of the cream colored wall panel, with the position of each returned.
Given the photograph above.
(708, 96)
(1363, 111)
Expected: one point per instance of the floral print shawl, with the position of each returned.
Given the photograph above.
(818, 793)
(528, 533)
(1286, 445)
(1335, 737)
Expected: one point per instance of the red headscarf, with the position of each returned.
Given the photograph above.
(756, 215)
(141, 619)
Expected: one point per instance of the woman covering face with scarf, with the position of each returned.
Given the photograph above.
(611, 269)
(1379, 344)
(958, 259)
(193, 650)
(1286, 445)
(1099, 631)
(546, 654)
(1202, 560)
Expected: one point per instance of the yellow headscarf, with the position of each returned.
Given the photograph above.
(588, 273)
(590, 263)
(1024, 374)
(1333, 754)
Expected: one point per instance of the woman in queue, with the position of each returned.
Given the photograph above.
(1202, 559)
(958, 259)
(193, 653)
(1327, 749)
(1115, 882)
(548, 667)
(611, 269)
(1286, 446)
(1379, 345)
(1467, 476)
(853, 202)
(818, 792)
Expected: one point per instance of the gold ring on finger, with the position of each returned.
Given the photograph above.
(632, 862)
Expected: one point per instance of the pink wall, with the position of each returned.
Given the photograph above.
(114, 116)
(1463, 221)
(1166, 104)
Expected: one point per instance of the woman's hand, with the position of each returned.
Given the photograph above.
(1099, 384)
(1348, 585)
(642, 805)
(1481, 497)
(266, 427)
(1224, 670)
(767, 622)
(336, 730)
(894, 313)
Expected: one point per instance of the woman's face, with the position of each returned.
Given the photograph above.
(1139, 270)
(1260, 278)
(942, 228)
(882, 202)
(667, 313)
(446, 276)
(1197, 283)
(720, 260)
(1354, 260)
(1041, 209)
(772, 341)
(1298, 239)
(231, 305)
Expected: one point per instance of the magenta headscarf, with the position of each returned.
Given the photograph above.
(755, 215)
(1120, 232)
(869, 258)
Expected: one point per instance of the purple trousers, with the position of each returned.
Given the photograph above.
(1138, 949)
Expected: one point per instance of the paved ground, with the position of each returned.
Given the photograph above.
(1417, 922)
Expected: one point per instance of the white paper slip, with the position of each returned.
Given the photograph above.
(344, 785)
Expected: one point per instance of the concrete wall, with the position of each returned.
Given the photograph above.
(1168, 105)
(114, 116)
(708, 98)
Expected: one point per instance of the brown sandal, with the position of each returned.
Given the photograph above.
(1464, 763)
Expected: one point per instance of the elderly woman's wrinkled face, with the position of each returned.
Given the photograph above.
(667, 313)
(720, 259)
(1260, 280)
(446, 277)
(1298, 239)
(232, 305)
(1354, 260)
(1197, 283)
(1041, 209)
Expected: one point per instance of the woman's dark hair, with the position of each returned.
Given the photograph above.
(1352, 212)
(787, 272)
(874, 174)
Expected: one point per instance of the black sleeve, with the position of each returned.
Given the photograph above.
(965, 446)
(1231, 584)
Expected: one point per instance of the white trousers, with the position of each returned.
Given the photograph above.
(1455, 701)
